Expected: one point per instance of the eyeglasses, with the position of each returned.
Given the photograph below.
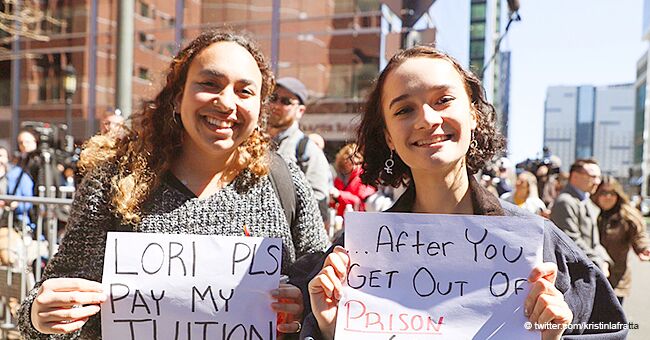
(607, 193)
(284, 100)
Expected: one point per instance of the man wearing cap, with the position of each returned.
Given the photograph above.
(287, 107)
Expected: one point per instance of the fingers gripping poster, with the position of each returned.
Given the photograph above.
(422, 276)
(182, 287)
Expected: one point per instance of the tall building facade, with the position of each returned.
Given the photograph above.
(592, 122)
(335, 47)
(641, 167)
(469, 31)
(82, 34)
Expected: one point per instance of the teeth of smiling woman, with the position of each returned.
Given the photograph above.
(219, 123)
(433, 140)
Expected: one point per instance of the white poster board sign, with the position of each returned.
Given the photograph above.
(163, 286)
(423, 276)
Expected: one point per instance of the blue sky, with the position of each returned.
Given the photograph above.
(566, 42)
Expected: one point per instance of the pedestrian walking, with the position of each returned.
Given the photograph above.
(621, 227)
(576, 214)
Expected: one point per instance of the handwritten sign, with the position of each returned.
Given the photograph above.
(182, 287)
(416, 276)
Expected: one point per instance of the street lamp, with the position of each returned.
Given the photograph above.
(70, 86)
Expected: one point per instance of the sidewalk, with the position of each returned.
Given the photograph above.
(636, 306)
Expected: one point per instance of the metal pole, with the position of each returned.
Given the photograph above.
(178, 27)
(275, 36)
(382, 38)
(92, 70)
(68, 111)
(15, 79)
(124, 67)
(39, 232)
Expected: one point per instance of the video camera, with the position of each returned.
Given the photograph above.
(531, 165)
(56, 138)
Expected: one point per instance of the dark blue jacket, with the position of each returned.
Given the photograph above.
(586, 290)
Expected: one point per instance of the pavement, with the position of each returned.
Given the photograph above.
(637, 304)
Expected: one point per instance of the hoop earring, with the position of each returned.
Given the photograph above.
(389, 163)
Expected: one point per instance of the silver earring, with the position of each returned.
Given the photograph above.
(473, 144)
(388, 165)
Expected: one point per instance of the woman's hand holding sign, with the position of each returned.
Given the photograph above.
(545, 304)
(289, 307)
(63, 305)
(326, 288)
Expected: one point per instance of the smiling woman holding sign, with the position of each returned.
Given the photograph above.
(196, 161)
(428, 125)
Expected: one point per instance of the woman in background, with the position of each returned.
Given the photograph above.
(621, 227)
(525, 194)
(348, 189)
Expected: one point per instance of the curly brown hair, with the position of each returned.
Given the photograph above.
(487, 142)
(149, 148)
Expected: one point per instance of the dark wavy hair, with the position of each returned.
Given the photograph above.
(150, 147)
(487, 142)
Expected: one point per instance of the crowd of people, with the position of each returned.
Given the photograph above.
(221, 142)
(591, 208)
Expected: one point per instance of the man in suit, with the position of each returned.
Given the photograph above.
(576, 214)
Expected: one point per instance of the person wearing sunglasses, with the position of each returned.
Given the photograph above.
(575, 213)
(621, 226)
(287, 107)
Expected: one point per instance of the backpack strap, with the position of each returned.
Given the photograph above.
(301, 155)
(283, 187)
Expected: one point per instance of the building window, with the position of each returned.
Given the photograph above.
(476, 65)
(478, 12)
(477, 30)
(147, 40)
(476, 49)
(49, 73)
(343, 6)
(169, 22)
(368, 5)
(145, 9)
(143, 73)
(639, 122)
(5, 82)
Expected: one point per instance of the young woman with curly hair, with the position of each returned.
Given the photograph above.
(428, 125)
(196, 161)
(621, 227)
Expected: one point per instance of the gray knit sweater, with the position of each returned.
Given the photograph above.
(173, 209)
